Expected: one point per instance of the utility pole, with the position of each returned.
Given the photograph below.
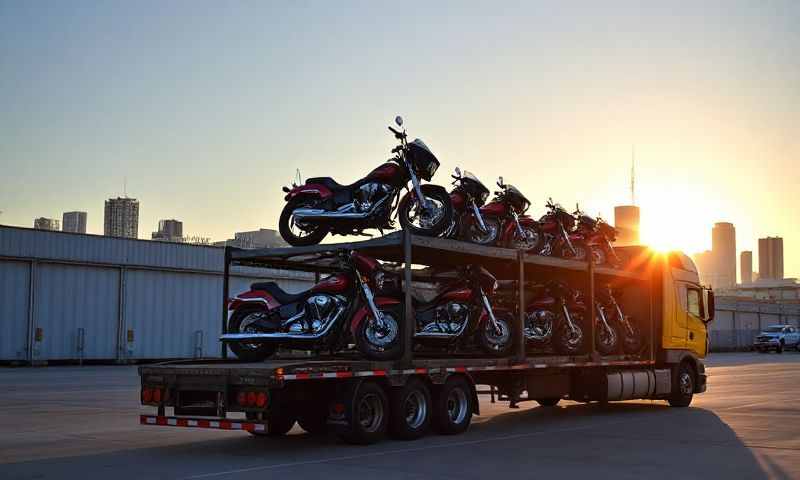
(633, 175)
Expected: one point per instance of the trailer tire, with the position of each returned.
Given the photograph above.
(683, 384)
(366, 413)
(410, 410)
(548, 402)
(453, 406)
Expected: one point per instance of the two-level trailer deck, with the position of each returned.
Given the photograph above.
(362, 400)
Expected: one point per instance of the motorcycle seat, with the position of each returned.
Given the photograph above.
(278, 293)
(331, 183)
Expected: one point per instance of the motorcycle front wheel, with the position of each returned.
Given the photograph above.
(242, 321)
(581, 252)
(474, 234)
(598, 255)
(632, 341)
(430, 222)
(569, 341)
(381, 344)
(529, 241)
(293, 233)
(496, 343)
(606, 339)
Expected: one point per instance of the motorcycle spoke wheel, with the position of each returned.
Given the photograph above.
(527, 241)
(476, 235)
(381, 338)
(599, 256)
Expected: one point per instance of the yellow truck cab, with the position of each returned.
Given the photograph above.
(686, 309)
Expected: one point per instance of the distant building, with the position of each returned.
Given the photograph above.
(43, 223)
(74, 222)
(723, 250)
(784, 290)
(746, 267)
(121, 218)
(626, 221)
(704, 262)
(261, 238)
(770, 258)
(169, 230)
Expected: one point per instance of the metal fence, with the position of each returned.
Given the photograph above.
(86, 297)
(738, 321)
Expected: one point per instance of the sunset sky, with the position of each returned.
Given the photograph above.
(207, 108)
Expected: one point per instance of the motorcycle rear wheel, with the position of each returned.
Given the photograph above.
(295, 238)
(248, 352)
(432, 223)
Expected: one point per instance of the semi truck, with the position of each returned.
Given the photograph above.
(363, 400)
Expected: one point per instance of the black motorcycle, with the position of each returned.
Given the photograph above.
(322, 206)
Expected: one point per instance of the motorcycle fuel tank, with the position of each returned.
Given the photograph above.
(460, 295)
(384, 173)
(495, 209)
(333, 284)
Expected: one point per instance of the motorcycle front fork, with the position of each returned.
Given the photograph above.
(566, 239)
(423, 202)
(623, 319)
(568, 318)
(492, 319)
(478, 217)
(602, 313)
(380, 323)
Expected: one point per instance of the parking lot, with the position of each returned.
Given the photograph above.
(82, 422)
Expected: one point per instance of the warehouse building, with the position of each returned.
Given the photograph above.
(66, 296)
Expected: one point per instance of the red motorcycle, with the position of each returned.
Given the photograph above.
(611, 313)
(467, 196)
(553, 315)
(597, 235)
(323, 206)
(502, 222)
(325, 317)
(559, 238)
(461, 316)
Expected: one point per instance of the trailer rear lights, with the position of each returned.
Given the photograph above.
(338, 408)
(147, 395)
(241, 399)
(251, 399)
(157, 395)
(261, 399)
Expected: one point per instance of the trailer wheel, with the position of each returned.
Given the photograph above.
(366, 413)
(683, 381)
(277, 425)
(548, 402)
(410, 412)
(452, 406)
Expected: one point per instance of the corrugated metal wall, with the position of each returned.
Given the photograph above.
(114, 299)
(738, 321)
(14, 299)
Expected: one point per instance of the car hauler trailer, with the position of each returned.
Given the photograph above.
(362, 400)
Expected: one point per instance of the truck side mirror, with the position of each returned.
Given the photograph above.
(710, 305)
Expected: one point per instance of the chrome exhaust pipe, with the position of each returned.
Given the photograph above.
(345, 213)
(256, 337)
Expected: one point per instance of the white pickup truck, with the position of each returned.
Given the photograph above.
(777, 337)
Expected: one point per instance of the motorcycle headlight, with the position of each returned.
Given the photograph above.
(495, 285)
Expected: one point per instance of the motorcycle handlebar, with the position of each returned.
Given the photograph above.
(397, 135)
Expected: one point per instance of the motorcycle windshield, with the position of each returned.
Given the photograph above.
(475, 187)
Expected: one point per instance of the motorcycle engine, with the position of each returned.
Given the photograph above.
(448, 318)
(539, 324)
(319, 311)
(365, 197)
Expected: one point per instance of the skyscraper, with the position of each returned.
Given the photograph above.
(746, 266)
(74, 222)
(770, 258)
(626, 221)
(43, 223)
(169, 230)
(723, 249)
(121, 217)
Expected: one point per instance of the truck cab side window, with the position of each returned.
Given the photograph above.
(693, 302)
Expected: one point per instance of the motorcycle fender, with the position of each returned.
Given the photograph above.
(309, 190)
(362, 312)
(428, 187)
(259, 297)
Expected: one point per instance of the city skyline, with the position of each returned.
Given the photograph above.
(183, 109)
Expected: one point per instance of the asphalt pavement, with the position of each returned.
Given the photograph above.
(82, 422)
